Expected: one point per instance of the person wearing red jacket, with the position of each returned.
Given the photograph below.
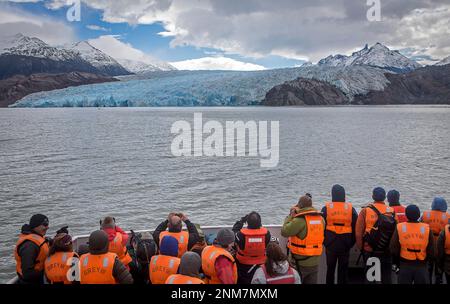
(218, 263)
(117, 238)
(393, 198)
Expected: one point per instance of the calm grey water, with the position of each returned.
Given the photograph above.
(78, 165)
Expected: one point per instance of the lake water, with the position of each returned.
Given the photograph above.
(78, 165)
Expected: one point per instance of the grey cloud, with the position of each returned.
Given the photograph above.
(13, 21)
(292, 28)
(312, 28)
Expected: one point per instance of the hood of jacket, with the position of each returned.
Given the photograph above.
(439, 204)
(98, 242)
(111, 232)
(307, 209)
(338, 193)
(190, 264)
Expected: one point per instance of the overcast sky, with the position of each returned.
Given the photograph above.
(237, 34)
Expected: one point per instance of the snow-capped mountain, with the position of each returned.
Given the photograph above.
(103, 62)
(22, 55)
(39, 57)
(444, 61)
(378, 55)
(139, 67)
(34, 47)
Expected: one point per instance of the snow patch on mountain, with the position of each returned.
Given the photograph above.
(34, 47)
(444, 61)
(378, 55)
(139, 67)
(98, 59)
(94, 56)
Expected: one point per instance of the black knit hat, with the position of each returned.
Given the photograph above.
(37, 220)
(338, 193)
(393, 197)
(412, 213)
(379, 194)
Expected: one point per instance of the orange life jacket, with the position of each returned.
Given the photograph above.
(97, 269)
(161, 267)
(436, 219)
(41, 242)
(311, 245)
(209, 257)
(339, 217)
(182, 238)
(447, 239)
(288, 278)
(372, 217)
(254, 252)
(183, 279)
(413, 239)
(400, 213)
(116, 246)
(58, 265)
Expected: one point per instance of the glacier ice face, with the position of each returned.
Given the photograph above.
(203, 88)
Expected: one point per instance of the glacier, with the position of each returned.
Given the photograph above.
(204, 88)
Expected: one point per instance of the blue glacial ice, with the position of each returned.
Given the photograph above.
(203, 88)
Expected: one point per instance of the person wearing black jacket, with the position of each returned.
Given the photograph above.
(338, 241)
(31, 250)
(142, 248)
(246, 270)
(174, 223)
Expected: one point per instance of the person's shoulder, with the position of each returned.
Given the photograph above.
(28, 244)
(223, 259)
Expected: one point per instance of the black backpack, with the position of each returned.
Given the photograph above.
(381, 233)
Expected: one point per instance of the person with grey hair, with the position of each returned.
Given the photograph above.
(188, 271)
(218, 264)
(173, 226)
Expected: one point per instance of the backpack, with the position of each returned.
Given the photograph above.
(381, 233)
